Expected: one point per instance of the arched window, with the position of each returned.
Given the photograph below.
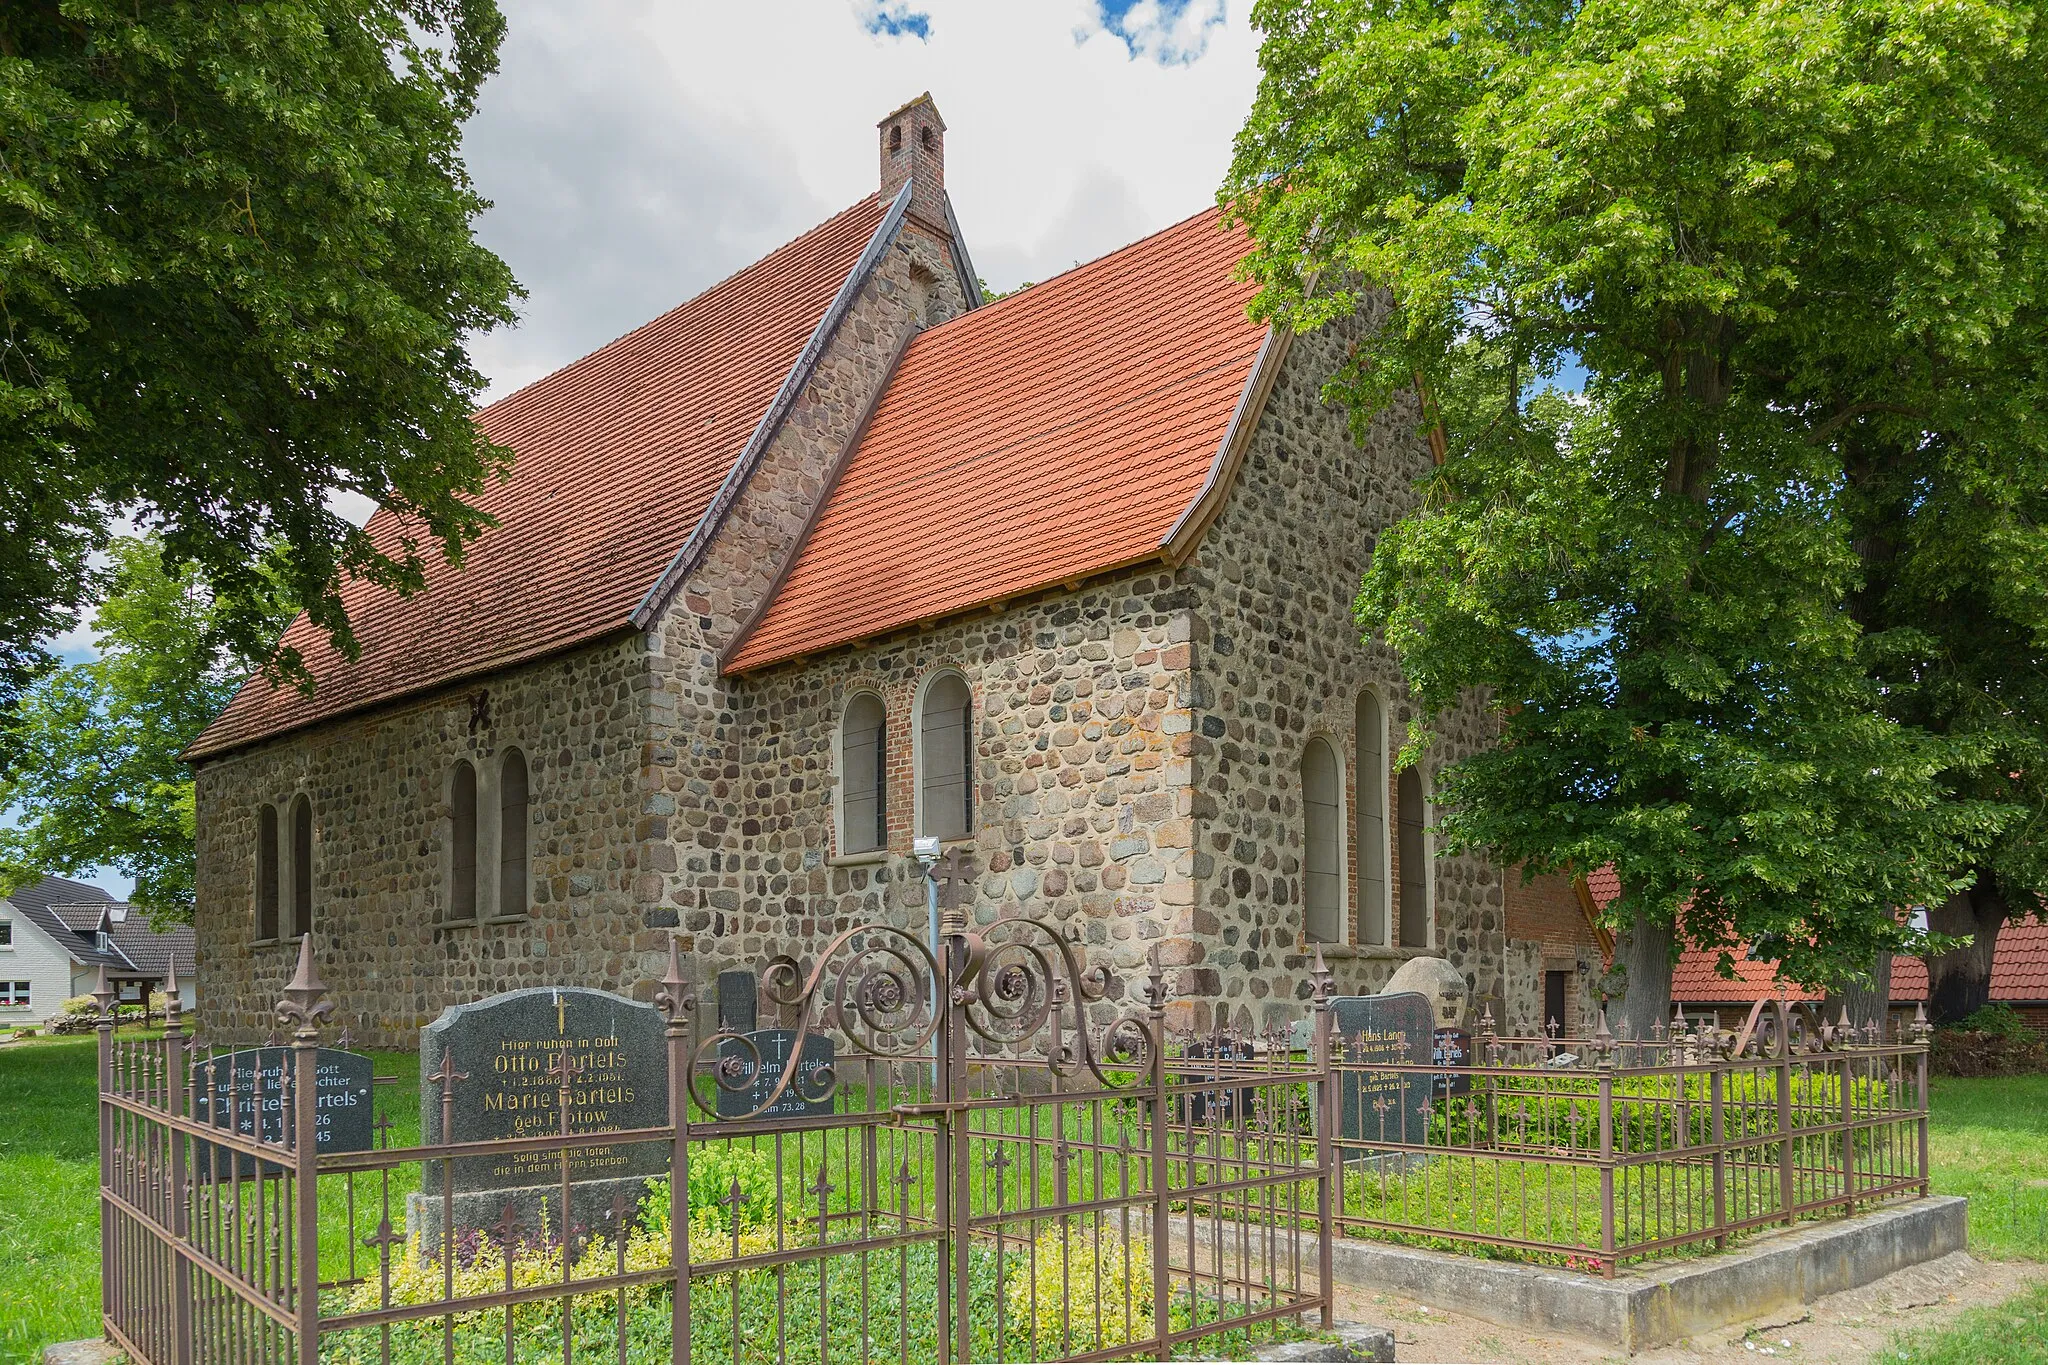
(863, 774)
(1322, 807)
(1372, 821)
(945, 793)
(462, 843)
(302, 867)
(267, 879)
(1413, 811)
(512, 818)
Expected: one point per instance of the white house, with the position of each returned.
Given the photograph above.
(55, 935)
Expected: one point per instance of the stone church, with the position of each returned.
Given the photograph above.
(838, 554)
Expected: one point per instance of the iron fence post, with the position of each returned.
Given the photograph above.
(676, 1002)
(1608, 1240)
(1848, 1123)
(1162, 1212)
(953, 1136)
(1787, 1147)
(1321, 991)
(304, 1008)
(1922, 1032)
(103, 996)
(177, 1100)
(1715, 1079)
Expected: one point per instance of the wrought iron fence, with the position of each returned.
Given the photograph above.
(1589, 1152)
(1022, 1172)
(998, 1163)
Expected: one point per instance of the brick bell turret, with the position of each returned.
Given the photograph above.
(913, 145)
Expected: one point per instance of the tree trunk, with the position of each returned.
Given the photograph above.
(1959, 982)
(1866, 1004)
(1643, 952)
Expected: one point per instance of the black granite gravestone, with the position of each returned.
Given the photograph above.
(739, 1002)
(804, 1095)
(1383, 1106)
(1452, 1047)
(507, 1046)
(250, 1092)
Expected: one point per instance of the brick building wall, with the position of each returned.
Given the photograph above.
(1548, 932)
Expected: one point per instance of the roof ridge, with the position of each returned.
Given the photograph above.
(680, 304)
(995, 307)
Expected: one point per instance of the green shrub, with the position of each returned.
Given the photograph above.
(2000, 1021)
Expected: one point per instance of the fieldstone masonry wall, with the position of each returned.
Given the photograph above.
(379, 787)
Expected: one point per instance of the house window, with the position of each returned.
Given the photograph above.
(1414, 834)
(302, 867)
(14, 993)
(6, 933)
(1372, 820)
(462, 840)
(1322, 843)
(863, 776)
(945, 796)
(266, 873)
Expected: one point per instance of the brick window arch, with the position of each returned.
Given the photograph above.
(462, 842)
(1412, 800)
(302, 866)
(863, 775)
(1322, 808)
(1370, 805)
(945, 740)
(512, 828)
(269, 877)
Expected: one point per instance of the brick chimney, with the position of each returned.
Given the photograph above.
(913, 141)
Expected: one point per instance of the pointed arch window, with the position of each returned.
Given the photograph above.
(1371, 845)
(268, 876)
(1414, 835)
(863, 775)
(512, 826)
(1322, 842)
(462, 842)
(945, 795)
(302, 867)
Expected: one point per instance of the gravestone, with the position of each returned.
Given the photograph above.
(1452, 1047)
(506, 1046)
(805, 1095)
(1383, 1106)
(739, 1002)
(250, 1093)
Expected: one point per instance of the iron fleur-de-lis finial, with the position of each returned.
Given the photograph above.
(673, 996)
(305, 1003)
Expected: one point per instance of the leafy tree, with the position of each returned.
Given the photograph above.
(1797, 248)
(98, 780)
(237, 275)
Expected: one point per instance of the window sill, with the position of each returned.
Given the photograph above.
(510, 919)
(1360, 951)
(865, 859)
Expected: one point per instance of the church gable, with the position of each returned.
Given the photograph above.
(630, 461)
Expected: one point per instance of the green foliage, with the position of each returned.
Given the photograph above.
(96, 777)
(2000, 1021)
(2014, 1332)
(1651, 1113)
(1764, 611)
(236, 256)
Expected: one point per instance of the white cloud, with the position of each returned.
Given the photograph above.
(640, 150)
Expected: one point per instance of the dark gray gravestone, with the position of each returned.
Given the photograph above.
(739, 1002)
(1452, 1047)
(801, 1097)
(1383, 1106)
(507, 1045)
(250, 1093)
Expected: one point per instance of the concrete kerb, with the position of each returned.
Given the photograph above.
(1662, 1302)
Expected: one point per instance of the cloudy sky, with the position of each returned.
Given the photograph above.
(637, 151)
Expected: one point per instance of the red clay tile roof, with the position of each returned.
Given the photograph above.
(1605, 884)
(2019, 972)
(617, 456)
(1054, 434)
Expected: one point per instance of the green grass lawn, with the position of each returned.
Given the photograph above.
(1989, 1141)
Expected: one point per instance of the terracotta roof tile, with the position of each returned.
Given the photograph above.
(617, 456)
(2019, 972)
(1050, 435)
